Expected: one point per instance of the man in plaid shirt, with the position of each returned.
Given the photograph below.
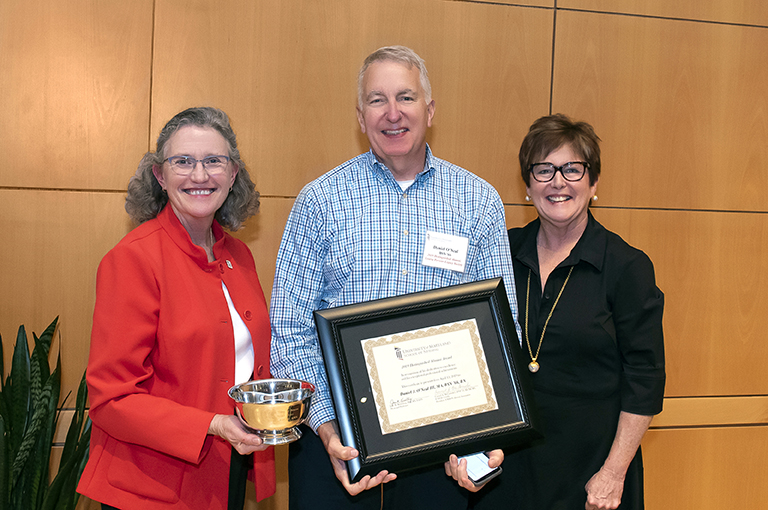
(358, 233)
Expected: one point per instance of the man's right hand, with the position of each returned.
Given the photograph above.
(339, 454)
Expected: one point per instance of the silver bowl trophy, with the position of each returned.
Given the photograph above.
(273, 408)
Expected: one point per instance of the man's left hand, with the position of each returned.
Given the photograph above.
(458, 469)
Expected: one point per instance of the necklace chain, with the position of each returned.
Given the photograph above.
(533, 366)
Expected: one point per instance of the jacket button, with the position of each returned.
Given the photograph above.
(221, 267)
(248, 315)
(260, 370)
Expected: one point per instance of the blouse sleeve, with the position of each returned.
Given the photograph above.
(638, 307)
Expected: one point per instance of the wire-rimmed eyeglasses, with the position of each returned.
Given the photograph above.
(183, 165)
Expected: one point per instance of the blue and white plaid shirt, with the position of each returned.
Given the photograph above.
(354, 235)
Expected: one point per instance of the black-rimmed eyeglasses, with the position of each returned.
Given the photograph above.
(571, 171)
(183, 165)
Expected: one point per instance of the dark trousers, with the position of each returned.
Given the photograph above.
(312, 484)
(238, 477)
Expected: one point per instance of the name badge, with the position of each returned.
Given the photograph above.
(445, 251)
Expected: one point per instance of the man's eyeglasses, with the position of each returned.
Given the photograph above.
(183, 165)
(571, 171)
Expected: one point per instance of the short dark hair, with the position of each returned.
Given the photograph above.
(551, 132)
(146, 197)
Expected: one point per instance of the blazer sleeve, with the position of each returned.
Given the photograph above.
(120, 373)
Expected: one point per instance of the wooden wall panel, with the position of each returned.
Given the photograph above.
(51, 255)
(262, 233)
(706, 469)
(712, 411)
(680, 106)
(532, 3)
(75, 82)
(280, 500)
(749, 12)
(292, 99)
(714, 304)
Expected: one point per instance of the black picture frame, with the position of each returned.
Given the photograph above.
(341, 331)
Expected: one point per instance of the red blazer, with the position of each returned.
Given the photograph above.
(162, 359)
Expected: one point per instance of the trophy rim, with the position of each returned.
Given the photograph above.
(301, 385)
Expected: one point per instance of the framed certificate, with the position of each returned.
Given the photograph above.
(417, 377)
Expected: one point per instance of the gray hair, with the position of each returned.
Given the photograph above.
(146, 197)
(399, 54)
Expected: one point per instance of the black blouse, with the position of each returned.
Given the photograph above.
(605, 336)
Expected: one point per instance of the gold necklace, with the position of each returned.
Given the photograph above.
(533, 366)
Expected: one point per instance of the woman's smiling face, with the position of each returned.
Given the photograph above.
(559, 202)
(196, 197)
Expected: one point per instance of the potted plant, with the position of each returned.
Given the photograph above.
(29, 413)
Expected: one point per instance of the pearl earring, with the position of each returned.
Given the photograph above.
(527, 198)
(594, 198)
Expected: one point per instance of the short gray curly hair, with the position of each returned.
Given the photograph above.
(146, 197)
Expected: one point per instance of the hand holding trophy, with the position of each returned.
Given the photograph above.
(274, 408)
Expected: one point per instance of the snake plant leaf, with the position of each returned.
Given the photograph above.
(34, 430)
(32, 484)
(43, 344)
(2, 364)
(18, 387)
(45, 444)
(65, 482)
(29, 465)
(37, 374)
(76, 426)
(4, 451)
(62, 494)
(29, 412)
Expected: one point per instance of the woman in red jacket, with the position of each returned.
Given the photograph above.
(180, 317)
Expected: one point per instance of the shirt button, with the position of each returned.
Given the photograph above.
(405, 271)
(405, 195)
(406, 232)
(248, 315)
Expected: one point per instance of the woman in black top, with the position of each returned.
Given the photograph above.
(591, 316)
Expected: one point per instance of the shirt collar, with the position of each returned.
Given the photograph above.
(590, 247)
(179, 235)
(381, 169)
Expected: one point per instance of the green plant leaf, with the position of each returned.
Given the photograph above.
(20, 403)
(2, 365)
(75, 427)
(69, 474)
(29, 411)
(43, 344)
(45, 444)
(33, 432)
(4, 492)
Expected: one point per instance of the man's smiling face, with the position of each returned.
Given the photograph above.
(395, 114)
